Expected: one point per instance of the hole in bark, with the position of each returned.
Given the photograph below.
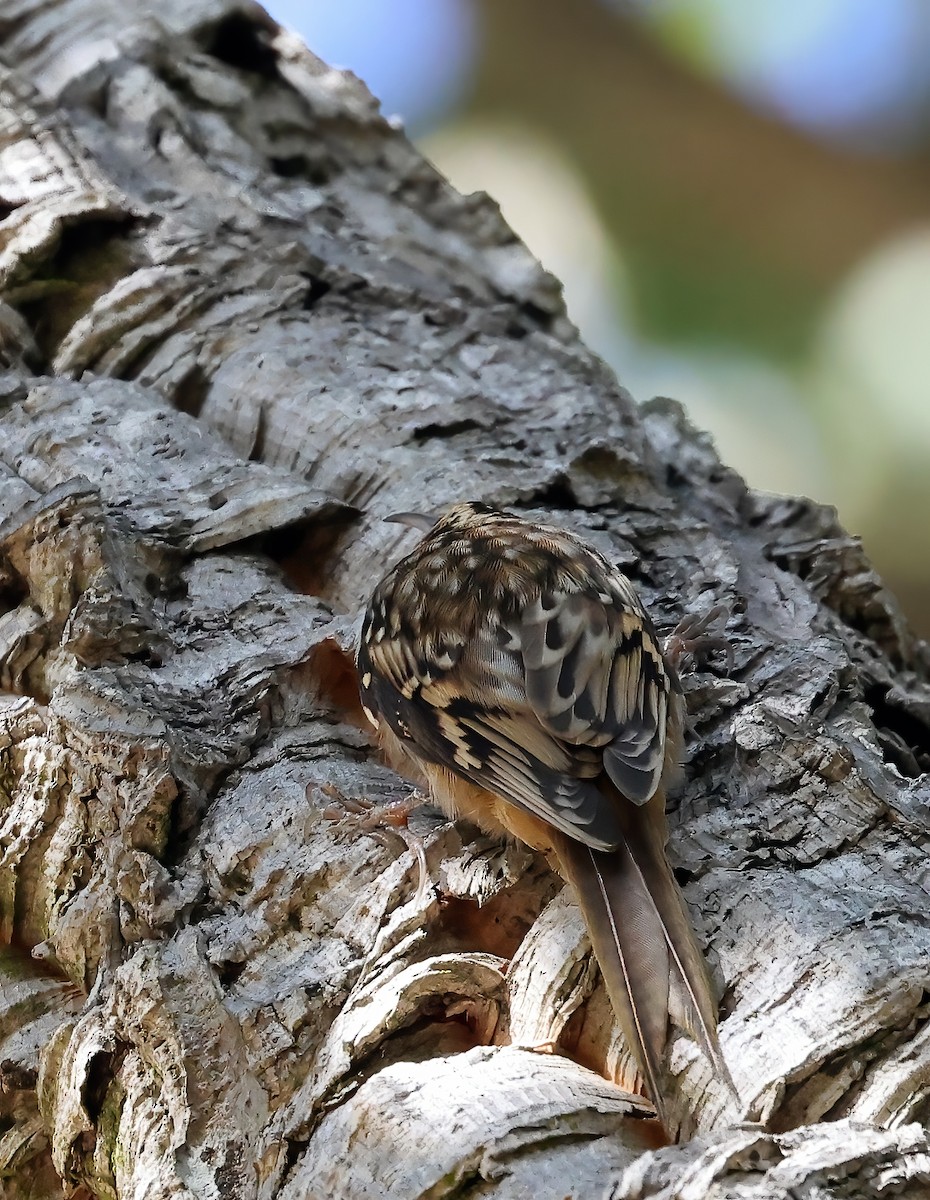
(527, 318)
(184, 818)
(314, 170)
(494, 927)
(904, 739)
(295, 1148)
(437, 429)
(556, 494)
(13, 588)
(90, 258)
(316, 291)
(336, 679)
(191, 392)
(304, 552)
(96, 99)
(257, 453)
(241, 42)
(446, 1024)
(291, 167)
(682, 876)
(97, 1080)
(536, 315)
(228, 972)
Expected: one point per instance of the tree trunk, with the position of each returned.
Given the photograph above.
(242, 321)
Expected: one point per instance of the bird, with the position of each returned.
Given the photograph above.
(517, 671)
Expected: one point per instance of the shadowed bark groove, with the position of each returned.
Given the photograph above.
(241, 321)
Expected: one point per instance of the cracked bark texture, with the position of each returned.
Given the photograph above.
(241, 321)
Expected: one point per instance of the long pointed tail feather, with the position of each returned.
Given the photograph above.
(642, 937)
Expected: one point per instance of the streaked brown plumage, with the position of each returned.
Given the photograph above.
(521, 673)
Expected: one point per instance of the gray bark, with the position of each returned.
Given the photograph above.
(243, 320)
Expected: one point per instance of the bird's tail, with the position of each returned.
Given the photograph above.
(641, 933)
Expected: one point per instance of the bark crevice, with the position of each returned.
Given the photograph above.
(279, 326)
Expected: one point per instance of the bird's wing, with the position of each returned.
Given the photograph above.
(595, 677)
(535, 708)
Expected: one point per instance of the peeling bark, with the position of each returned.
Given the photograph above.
(241, 321)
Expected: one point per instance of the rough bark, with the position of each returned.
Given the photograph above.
(242, 320)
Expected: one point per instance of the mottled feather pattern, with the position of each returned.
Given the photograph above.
(517, 656)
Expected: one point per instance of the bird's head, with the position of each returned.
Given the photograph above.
(465, 515)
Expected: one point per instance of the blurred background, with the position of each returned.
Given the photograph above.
(736, 196)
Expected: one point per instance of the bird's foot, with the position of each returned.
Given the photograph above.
(692, 639)
(380, 820)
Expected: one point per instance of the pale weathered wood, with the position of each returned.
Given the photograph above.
(242, 322)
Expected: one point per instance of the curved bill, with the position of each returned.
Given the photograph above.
(424, 521)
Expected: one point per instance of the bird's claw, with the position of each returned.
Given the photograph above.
(690, 639)
(379, 820)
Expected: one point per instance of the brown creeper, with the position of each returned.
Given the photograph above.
(521, 673)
